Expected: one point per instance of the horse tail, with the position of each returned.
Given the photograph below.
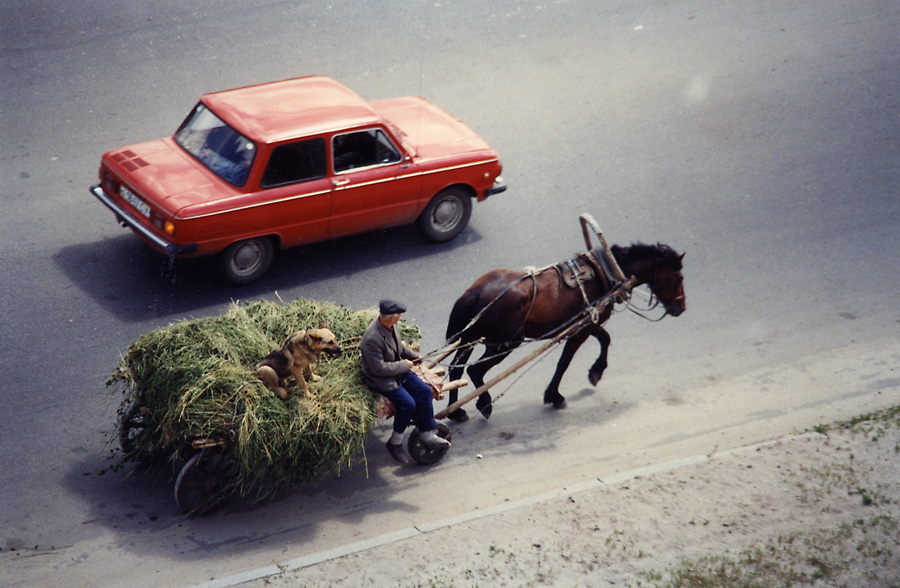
(464, 309)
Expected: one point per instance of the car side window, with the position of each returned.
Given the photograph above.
(363, 149)
(295, 162)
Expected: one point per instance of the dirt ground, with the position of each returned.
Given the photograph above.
(819, 509)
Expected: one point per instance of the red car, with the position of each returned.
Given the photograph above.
(277, 165)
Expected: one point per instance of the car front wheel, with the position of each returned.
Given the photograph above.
(246, 261)
(447, 214)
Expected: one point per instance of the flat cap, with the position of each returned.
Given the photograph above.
(388, 306)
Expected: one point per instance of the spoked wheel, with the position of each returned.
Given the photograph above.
(131, 429)
(203, 481)
(428, 454)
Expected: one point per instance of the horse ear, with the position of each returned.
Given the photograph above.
(682, 255)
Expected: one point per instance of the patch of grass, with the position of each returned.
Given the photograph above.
(875, 424)
(815, 558)
(822, 429)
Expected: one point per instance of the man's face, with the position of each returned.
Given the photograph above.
(390, 320)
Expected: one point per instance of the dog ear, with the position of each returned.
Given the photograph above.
(323, 324)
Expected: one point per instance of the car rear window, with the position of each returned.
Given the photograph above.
(223, 150)
(300, 161)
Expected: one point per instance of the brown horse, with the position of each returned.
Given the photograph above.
(504, 308)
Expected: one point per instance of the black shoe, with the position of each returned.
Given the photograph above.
(459, 415)
(397, 452)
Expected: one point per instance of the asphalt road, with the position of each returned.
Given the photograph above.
(761, 138)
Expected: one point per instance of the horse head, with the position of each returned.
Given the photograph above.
(659, 266)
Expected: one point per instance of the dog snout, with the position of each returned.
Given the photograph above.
(334, 351)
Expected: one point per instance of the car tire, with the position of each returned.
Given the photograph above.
(246, 261)
(447, 214)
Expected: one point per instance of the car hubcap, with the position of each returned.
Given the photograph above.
(447, 214)
(247, 257)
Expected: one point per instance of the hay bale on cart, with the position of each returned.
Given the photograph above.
(190, 395)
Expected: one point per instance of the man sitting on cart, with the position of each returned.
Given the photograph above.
(386, 365)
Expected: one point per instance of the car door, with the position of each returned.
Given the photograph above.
(374, 183)
(297, 191)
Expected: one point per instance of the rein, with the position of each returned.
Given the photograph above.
(652, 303)
(590, 309)
(510, 286)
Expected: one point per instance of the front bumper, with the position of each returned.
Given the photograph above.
(499, 186)
(128, 219)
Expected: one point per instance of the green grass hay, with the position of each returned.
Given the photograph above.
(194, 380)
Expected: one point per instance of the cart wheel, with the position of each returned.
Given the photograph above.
(427, 454)
(202, 482)
(131, 428)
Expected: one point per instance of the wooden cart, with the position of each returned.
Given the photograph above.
(208, 471)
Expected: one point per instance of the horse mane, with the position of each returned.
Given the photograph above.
(660, 255)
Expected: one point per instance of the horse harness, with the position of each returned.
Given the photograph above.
(574, 273)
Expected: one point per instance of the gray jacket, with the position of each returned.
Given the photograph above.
(382, 357)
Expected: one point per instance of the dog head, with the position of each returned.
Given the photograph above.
(322, 340)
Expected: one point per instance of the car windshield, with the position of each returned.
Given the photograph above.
(216, 145)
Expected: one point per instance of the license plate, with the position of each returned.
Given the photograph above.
(132, 199)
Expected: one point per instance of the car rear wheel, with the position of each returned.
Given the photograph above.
(447, 214)
(246, 261)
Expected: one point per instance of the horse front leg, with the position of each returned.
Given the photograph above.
(551, 394)
(596, 371)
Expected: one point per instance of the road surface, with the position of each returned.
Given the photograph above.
(762, 139)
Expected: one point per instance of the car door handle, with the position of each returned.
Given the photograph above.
(340, 182)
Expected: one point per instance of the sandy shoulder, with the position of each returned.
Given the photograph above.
(823, 507)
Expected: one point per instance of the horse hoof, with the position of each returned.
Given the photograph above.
(557, 400)
(485, 406)
(594, 378)
(459, 415)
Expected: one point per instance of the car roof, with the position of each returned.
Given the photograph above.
(288, 109)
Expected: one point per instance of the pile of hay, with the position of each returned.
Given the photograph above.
(194, 381)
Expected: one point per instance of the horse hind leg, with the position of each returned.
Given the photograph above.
(493, 354)
(457, 367)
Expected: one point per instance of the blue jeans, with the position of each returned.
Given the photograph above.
(413, 403)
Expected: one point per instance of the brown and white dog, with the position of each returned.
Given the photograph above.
(295, 357)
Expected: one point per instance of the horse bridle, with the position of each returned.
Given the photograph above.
(652, 303)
